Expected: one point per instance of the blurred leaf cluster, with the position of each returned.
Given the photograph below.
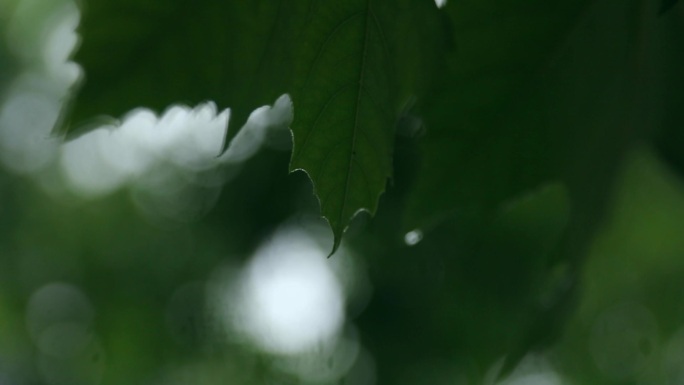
(521, 163)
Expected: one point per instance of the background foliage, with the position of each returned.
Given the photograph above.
(529, 156)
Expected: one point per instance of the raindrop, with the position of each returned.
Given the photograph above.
(413, 237)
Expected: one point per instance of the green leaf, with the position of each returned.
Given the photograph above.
(349, 66)
(350, 100)
(365, 64)
(343, 132)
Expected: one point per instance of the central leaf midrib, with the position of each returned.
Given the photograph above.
(352, 152)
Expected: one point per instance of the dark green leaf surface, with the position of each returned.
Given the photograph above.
(349, 85)
(349, 66)
(349, 98)
(486, 139)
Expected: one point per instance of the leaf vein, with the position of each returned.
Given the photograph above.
(327, 104)
(324, 162)
(323, 46)
(369, 193)
(377, 105)
(383, 39)
(352, 150)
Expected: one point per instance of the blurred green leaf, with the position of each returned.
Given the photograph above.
(540, 92)
(533, 93)
(488, 137)
(472, 291)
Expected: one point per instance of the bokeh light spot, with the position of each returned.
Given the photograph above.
(413, 237)
(289, 298)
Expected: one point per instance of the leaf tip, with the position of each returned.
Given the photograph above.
(337, 240)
